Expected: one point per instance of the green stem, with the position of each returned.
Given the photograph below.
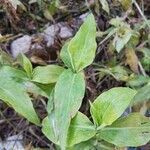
(101, 127)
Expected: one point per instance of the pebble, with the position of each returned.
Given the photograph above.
(65, 31)
(50, 33)
(12, 142)
(20, 45)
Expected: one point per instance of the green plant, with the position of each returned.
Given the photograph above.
(48, 8)
(65, 125)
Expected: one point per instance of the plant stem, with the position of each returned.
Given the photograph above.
(141, 13)
(100, 127)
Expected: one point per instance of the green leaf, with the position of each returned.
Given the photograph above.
(20, 77)
(16, 3)
(117, 22)
(10, 72)
(118, 72)
(46, 88)
(68, 95)
(80, 51)
(47, 74)
(66, 56)
(5, 58)
(146, 59)
(49, 128)
(26, 64)
(103, 145)
(87, 145)
(52, 9)
(50, 104)
(81, 129)
(92, 144)
(134, 40)
(38, 89)
(123, 33)
(133, 130)
(15, 95)
(110, 105)
(122, 37)
(138, 80)
(105, 5)
(110, 32)
(143, 94)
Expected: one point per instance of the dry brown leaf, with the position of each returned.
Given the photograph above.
(29, 146)
(132, 59)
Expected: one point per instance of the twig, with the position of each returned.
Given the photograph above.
(141, 13)
(142, 69)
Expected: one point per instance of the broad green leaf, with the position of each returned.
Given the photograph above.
(49, 128)
(105, 5)
(81, 129)
(15, 95)
(20, 77)
(110, 105)
(46, 88)
(38, 89)
(68, 95)
(26, 64)
(66, 56)
(143, 94)
(10, 72)
(80, 51)
(87, 145)
(47, 74)
(133, 130)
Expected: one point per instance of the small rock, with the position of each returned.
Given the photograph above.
(60, 29)
(65, 31)
(50, 33)
(13, 142)
(21, 45)
(83, 16)
(36, 46)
